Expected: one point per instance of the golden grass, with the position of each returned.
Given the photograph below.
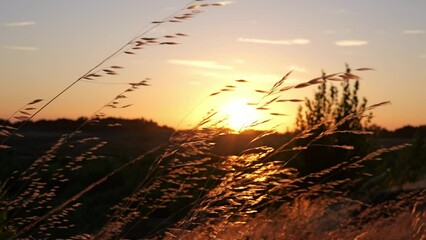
(251, 195)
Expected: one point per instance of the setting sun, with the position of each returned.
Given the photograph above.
(239, 115)
(212, 119)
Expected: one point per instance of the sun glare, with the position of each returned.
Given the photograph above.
(239, 114)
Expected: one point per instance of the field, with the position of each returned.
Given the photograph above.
(235, 173)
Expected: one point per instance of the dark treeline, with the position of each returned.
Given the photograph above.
(119, 124)
(132, 136)
(140, 125)
(125, 137)
(407, 131)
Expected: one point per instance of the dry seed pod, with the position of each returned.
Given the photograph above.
(126, 106)
(35, 101)
(241, 80)
(331, 75)
(349, 76)
(335, 79)
(278, 114)
(21, 118)
(302, 85)
(286, 88)
(261, 91)
(291, 100)
(181, 34)
(93, 75)
(316, 81)
(25, 113)
(364, 69)
(169, 43)
(193, 6)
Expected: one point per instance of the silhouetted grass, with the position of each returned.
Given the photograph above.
(187, 189)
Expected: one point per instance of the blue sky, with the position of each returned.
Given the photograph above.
(47, 44)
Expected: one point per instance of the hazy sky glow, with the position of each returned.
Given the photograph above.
(47, 44)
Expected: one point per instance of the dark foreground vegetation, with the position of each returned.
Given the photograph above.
(335, 177)
(110, 143)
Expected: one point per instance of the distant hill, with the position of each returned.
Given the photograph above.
(125, 137)
(113, 124)
(403, 132)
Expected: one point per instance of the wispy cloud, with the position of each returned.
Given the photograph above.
(413, 31)
(296, 41)
(423, 56)
(200, 64)
(297, 68)
(19, 24)
(254, 77)
(20, 48)
(351, 43)
(342, 31)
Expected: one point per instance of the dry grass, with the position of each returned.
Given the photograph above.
(329, 218)
(251, 195)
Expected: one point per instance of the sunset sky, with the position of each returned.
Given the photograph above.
(47, 44)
